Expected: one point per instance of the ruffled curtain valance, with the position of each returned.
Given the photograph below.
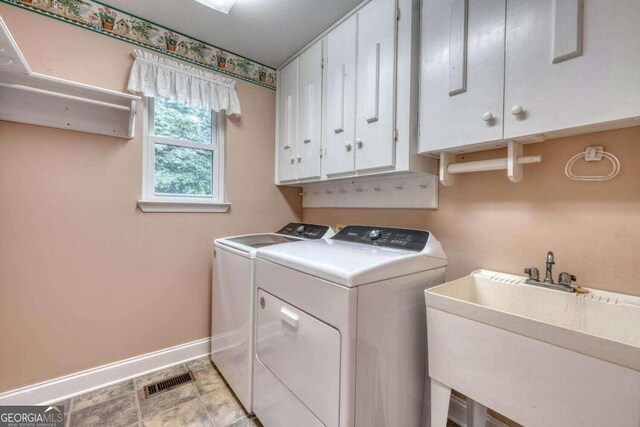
(154, 76)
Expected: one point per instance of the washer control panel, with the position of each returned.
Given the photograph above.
(399, 238)
(307, 231)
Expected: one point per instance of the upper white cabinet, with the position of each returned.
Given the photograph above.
(299, 116)
(368, 98)
(310, 112)
(375, 143)
(571, 64)
(340, 99)
(288, 121)
(496, 70)
(462, 62)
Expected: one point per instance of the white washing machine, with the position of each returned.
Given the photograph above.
(340, 328)
(233, 301)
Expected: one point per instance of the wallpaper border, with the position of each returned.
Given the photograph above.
(102, 19)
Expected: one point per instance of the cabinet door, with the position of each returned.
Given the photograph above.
(375, 145)
(462, 73)
(287, 121)
(339, 111)
(309, 112)
(570, 63)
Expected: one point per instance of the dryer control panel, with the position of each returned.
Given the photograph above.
(307, 231)
(399, 238)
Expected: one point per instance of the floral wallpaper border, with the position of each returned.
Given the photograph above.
(103, 19)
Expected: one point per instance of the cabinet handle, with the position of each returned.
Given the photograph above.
(568, 19)
(347, 145)
(517, 110)
(292, 160)
(458, 40)
(299, 158)
(338, 83)
(310, 112)
(487, 117)
(373, 89)
(287, 121)
(359, 142)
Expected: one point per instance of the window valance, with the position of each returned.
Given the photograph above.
(154, 76)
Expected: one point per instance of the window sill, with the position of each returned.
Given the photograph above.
(153, 206)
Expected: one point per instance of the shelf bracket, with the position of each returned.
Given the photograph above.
(446, 159)
(514, 169)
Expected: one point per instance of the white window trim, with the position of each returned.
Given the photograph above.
(152, 202)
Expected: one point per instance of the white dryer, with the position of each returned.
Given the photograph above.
(233, 301)
(340, 328)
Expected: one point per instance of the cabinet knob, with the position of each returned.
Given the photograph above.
(292, 159)
(359, 142)
(299, 158)
(487, 117)
(517, 110)
(347, 145)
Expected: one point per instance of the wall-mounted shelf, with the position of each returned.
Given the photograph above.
(409, 191)
(37, 99)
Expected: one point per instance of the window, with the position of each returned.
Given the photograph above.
(183, 158)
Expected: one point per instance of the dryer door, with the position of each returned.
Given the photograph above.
(303, 353)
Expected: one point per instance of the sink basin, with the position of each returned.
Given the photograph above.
(541, 357)
(598, 323)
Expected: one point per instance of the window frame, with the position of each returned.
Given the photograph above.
(154, 202)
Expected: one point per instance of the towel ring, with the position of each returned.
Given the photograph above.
(593, 154)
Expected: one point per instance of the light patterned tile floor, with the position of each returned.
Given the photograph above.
(206, 403)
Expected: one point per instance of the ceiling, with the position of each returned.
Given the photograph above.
(266, 31)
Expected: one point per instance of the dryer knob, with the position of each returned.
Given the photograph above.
(374, 234)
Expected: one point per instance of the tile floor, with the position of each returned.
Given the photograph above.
(208, 402)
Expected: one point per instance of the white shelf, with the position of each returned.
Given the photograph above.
(37, 99)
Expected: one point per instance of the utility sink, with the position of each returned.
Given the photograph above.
(539, 356)
(600, 324)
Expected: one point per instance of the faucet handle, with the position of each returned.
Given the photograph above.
(534, 273)
(566, 279)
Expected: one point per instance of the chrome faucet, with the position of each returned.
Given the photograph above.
(548, 277)
(565, 280)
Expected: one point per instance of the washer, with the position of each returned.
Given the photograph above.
(233, 301)
(340, 328)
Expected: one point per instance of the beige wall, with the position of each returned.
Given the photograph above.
(485, 221)
(85, 277)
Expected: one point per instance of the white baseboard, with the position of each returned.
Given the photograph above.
(82, 382)
(458, 414)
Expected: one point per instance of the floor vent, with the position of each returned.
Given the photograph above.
(168, 384)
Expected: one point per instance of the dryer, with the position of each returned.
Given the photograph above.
(340, 328)
(233, 304)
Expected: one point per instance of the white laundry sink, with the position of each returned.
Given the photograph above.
(600, 324)
(537, 355)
